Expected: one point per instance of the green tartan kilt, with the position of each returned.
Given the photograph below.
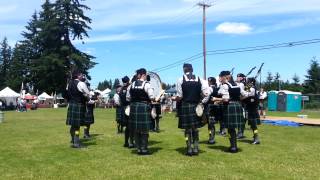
(89, 117)
(253, 116)
(233, 115)
(76, 114)
(140, 116)
(188, 118)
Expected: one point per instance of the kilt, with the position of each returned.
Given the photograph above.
(124, 120)
(76, 114)
(233, 115)
(89, 118)
(140, 116)
(118, 114)
(214, 110)
(253, 116)
(158, 109)
(188, 118)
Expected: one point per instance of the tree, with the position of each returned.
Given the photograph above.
(5, 60)
(17, 73)
(115, 83)
(58, 23)
(296, 79)
(312, 82)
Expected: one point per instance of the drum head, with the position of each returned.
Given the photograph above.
(153, 113)
(127, 110)
(199, 110)
(155, 83)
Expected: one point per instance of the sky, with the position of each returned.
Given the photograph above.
(127, 35)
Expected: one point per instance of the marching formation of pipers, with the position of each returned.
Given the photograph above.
(198, 102)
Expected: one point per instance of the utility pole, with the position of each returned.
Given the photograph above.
(204, 6)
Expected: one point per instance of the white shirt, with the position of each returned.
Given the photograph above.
(116, 99)
(82, 87)
(224, 91)
(147, 88)
(204, 88)
(263, 95)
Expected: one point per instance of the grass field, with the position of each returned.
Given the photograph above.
(35, 145)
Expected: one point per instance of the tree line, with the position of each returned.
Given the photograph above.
(45, 57)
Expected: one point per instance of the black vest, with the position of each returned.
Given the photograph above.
(191, 89)
(214, 94)
(138, 93)
(252, 101)
(123, 96)
(74, 95)
(234, 92)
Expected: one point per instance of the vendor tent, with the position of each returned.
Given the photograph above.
(44, 96)
(106, 91)
(8, 96)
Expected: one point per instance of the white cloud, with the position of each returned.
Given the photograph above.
(127, 36)
(234, 28)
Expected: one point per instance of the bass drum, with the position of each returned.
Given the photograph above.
(155, 83)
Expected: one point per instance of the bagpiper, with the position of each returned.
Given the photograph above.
(77, 96)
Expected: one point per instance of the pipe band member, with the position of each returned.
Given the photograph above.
(119, 114)
(140, 94)
(252, 103)
(213, 110)
(128, 133)
(77, 95)
(241, 82)
(232, 110)
(190, 89)
(89, 119)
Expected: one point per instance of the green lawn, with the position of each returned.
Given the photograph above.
(35, 145)
(310, 113)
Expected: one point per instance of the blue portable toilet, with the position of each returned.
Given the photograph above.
(272, 100)
(289, 101)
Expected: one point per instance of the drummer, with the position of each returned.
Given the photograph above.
(156, 107)
(140, 94)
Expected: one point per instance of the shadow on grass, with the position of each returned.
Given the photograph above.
(183, 151)
(245, 141)
(222, 148)
(152, 150)
(151, 143)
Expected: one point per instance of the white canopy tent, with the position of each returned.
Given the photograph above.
(44, 96)
(9, 96)
(106, 91)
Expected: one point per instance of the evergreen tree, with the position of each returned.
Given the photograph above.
(17, 71)
(5, 60)
(57, 23)
(116, 83)
(312, 82)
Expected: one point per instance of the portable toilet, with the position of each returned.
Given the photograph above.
(289, 101)
(272, 100)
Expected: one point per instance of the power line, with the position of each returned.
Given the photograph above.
(238, 50)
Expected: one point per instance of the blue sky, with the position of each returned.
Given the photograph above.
(127, 35)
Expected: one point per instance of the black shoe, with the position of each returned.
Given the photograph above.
(240, 135)
(256, 139)
(144, 144)
(130, 146)
(77, 144)
(126, 145)
(211, 141)
(233, 150)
